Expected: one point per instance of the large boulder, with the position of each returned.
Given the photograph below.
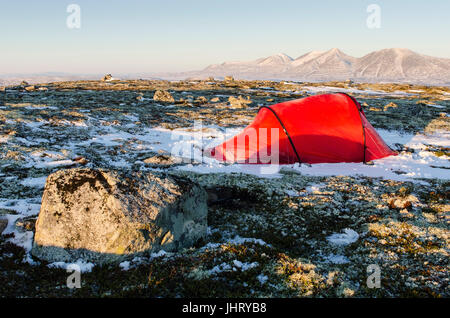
(105, 216)
(163, 96)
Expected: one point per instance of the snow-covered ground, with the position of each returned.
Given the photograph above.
(329, 89)
(20, 208)
(421, 164)
(187, 143)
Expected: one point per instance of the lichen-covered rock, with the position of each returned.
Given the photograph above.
(26, 223)
(390, 105)
(201, 100)
(105, 216)
(163, 96)
(30, 88)
(140, 97)
(107, 77)
(163, 160)
(402, 202)
(239, 102)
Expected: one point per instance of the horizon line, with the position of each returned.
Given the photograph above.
(65, 73)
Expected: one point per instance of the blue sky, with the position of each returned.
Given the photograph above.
(131, 36)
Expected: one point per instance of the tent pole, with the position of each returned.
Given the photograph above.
(285, 131)
(359, 108)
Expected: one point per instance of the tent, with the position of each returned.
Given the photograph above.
(325, 128)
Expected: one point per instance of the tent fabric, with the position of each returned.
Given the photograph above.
(327, 128)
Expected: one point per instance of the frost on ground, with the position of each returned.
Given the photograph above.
(298, 231)
(80, 265)
(349, 236)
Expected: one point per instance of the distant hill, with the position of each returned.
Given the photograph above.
(14, 79)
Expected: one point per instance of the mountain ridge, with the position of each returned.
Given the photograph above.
(392, 64)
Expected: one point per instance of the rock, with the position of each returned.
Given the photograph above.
(401, 203)
(229, 79)
(81, 160)
(3, 225)
(26, 223)
(162, 160)
(406, 214)
(390, 105)
(215, 100)
(110, 216)
(107, 77)
(14, 155)
(43, 89)
(201, 100)
(239, 102)
(163, 96)
(24, 83)
(2, 89)
(30, 88)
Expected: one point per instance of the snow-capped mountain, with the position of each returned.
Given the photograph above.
(402, 64)
(393, 65)
(275, 60)
(322, 65)
(266, 65)
(306, 58)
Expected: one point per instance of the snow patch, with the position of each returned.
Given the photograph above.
(38, 182)
(161, 253)
(224, 267)
(336, 259)
(19, 209)
(125, 265)
(262, 278)
(244, 266)
(85, 267)
(349, 236)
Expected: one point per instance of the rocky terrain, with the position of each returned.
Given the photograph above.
(303, 231)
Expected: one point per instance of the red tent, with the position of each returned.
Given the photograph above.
(322, 128)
